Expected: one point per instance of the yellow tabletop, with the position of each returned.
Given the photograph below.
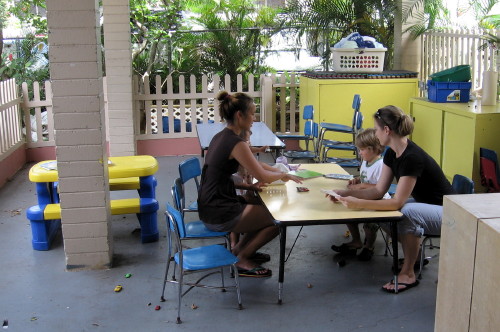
(286, 204)
(120, 167)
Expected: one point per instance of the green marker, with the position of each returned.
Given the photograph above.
(128, 275)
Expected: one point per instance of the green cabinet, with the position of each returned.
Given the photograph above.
(452, 134)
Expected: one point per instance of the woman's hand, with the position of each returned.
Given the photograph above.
(350, 202)
(257, 186)
(287, 177)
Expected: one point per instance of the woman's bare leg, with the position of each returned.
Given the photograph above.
(411, 246)
(259, 227)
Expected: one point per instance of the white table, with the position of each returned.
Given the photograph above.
(261, 135)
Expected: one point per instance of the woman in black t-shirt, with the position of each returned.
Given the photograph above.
(219, 207)
(417, 175)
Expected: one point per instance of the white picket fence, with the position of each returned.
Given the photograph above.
(276, 97)
(10, 123)
(452, 47)
(181, 110)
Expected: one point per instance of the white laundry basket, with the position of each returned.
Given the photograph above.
(358, 60)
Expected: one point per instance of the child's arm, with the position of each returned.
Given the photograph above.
(262, 149)
(361, 186)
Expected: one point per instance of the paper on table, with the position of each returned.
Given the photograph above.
(50, 165)
(331, 193)
(306, 174)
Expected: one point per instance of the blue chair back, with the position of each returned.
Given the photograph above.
(308, 113)
(315, 131)
(189, 169)
(177, 194)
(176, 221)
(356, 103)
(462, 184)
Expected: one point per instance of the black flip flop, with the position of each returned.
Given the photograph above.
(400, 290)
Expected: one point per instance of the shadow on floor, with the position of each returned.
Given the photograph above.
(37, 294)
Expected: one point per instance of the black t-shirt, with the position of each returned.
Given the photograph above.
(217, 198)
(431, 183)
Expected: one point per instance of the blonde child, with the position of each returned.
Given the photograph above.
(370, 150)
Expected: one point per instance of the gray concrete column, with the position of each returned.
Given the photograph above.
(406, 50)
(118, 58)
(76, 74)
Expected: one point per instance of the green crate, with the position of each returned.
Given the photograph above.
(454, 74)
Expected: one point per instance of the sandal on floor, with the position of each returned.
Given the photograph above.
(400, 290)
(345, 249)
(365, 255)
(260, 257)
(254, 273)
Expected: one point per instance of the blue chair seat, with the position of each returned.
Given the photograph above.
(196, 229)
(204, 258)
(336, 127)
(338, 145)
(300, 154)
(193, 206)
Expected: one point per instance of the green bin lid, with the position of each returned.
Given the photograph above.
(455, 74)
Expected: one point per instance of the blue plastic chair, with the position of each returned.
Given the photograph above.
(209, 259)
(194, 229)
(307, 154)
(327, 145)
(461, 185)
(340, 128)
(308, 135)
(190, 169)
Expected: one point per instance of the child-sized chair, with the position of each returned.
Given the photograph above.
(207, 259)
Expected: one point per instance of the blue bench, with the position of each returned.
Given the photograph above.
(45, 219)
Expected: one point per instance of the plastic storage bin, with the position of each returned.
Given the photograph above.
(455, 74)
(358, 60)
(448, 92)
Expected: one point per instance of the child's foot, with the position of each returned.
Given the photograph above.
(345, 248)
(365, 255)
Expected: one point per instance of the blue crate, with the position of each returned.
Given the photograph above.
(448, 92)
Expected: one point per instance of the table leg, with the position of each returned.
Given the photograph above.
(394, 234)
(281, 275)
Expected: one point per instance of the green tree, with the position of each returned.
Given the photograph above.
(3, 20)
(433, 15)
(324, 22)
(234, 33)
(152, 22)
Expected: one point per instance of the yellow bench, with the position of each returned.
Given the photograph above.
(45, 219)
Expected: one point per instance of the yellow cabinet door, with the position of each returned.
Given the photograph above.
(428, 129)
(335, 102)
(458, 145)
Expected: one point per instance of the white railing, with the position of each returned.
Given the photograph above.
(37, 113)
(192, 106)
(448, 48)
(10, 120)
(276, 97)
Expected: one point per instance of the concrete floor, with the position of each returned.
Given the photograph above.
(37, 294)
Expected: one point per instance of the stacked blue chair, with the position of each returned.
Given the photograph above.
(209, 259)
(307, 136)
(326, 145)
